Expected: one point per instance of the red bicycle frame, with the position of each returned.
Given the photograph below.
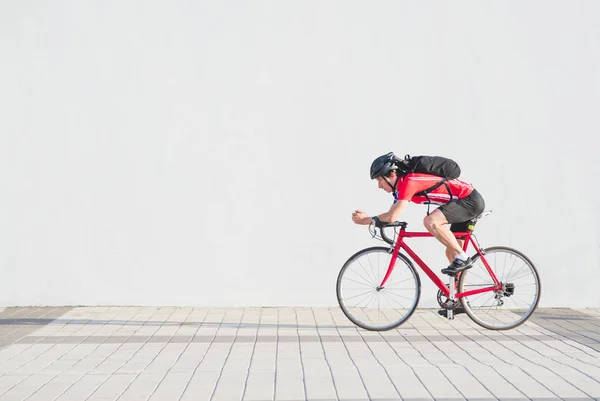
(400, 244)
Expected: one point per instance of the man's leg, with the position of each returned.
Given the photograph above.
(450, 253)
(437, 224)
(433, 225)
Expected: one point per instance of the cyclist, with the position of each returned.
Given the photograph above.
(459, 202)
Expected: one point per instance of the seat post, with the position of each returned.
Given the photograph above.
(450, 311)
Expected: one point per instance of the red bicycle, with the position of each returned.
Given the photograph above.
(378, 288)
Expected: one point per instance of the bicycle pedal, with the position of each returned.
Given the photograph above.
(449, 304)
(455, 311)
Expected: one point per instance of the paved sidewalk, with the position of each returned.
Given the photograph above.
(135, 353)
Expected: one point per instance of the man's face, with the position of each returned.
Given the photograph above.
(381, 182)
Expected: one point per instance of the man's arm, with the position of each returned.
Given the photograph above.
(360, 217)
(394, 213)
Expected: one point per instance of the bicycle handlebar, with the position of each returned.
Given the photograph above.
(382, 225)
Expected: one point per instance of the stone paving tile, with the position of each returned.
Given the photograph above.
(164, 353)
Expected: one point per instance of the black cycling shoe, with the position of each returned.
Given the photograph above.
(457, 266)
(457, 310)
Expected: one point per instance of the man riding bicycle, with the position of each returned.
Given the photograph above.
(459, 203)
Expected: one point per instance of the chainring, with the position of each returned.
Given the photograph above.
(443, 301)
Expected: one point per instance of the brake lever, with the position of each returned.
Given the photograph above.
(374, 233)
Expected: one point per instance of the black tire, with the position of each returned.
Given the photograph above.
(504, 305)
(371, 318)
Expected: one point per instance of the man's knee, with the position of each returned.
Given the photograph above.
(431, 222)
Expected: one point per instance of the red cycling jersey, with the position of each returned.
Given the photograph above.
(413, 183)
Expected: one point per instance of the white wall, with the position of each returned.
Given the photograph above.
(210, 153)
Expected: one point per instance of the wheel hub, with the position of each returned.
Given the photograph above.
(509, 289)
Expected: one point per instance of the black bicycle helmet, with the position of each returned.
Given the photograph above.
(383, 165)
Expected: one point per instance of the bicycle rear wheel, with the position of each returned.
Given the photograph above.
(369, 306)
(515, 302)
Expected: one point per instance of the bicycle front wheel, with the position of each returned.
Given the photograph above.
(515, 302)
(364, 302)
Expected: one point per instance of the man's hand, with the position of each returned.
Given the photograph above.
(360, 217)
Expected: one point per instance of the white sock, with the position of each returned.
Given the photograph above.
(462, 256)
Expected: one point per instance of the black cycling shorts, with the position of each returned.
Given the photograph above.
(460, 211)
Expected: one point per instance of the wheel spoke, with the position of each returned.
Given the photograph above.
(521, 276)
(511, 268)
(373, 272)
(360, 295)
(519, 299)
(479, 277)
(393, 300)
(401, 281)
(508, 278)
(354, 281)
(399, 296)
(366, 273)
(369, 299)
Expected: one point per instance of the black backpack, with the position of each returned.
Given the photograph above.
(435, 165)
(442, 167)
